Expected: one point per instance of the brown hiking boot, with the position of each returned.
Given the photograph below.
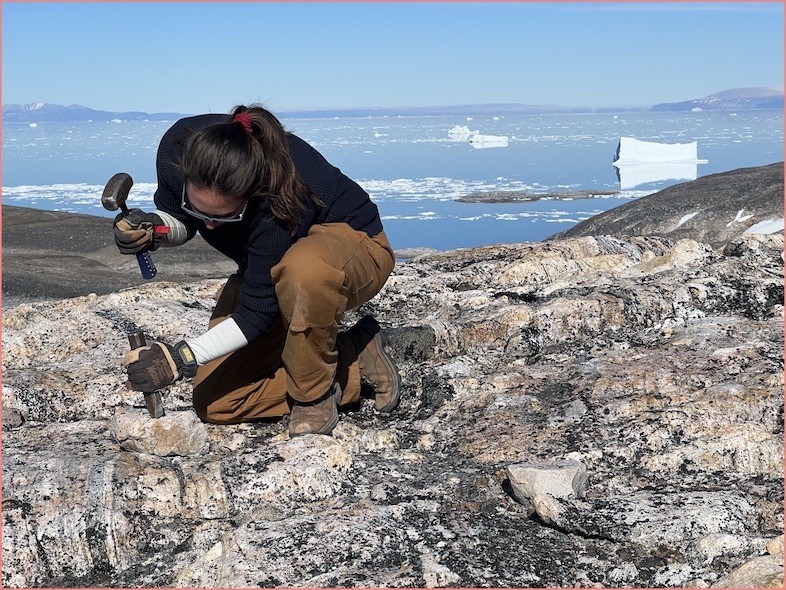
(377, 367)
(317, 417)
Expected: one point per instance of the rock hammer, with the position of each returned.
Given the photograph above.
(153, 402)
(114, 198)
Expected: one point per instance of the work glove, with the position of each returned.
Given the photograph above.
(135, 232)
(153, 367)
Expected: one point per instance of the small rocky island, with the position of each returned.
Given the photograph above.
(588, 411)
(527, 196)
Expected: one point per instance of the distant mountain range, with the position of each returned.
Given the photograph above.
(38, 112)
(463, 109)
(729, 100)
(41, 111)
(737, 99)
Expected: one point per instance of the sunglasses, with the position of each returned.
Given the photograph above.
(186, 206)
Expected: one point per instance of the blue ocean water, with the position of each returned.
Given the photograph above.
(412, 167)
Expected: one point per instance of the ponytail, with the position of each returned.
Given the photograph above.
(245, 158)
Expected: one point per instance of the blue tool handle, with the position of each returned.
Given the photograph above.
(146, 265)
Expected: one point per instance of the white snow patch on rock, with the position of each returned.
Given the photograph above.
(740, 217)
(769, 226)
(687, 217)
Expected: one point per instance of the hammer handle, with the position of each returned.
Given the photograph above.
(146, 265)
(155, 407)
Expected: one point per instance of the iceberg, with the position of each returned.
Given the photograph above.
(460, 133)
(479, 141)
(476, 139)
(630, 150)
(639, 162)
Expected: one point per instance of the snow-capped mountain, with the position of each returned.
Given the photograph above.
(729, 100)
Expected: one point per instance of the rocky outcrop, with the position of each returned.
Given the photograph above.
(594, 411)
(526, 197)
(712, 209)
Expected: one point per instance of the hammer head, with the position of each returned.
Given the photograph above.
(116, 192)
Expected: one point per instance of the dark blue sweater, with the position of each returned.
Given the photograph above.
(259, 241)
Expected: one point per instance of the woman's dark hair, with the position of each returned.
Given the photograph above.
(248, 157)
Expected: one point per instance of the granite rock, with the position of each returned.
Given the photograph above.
(656, 364)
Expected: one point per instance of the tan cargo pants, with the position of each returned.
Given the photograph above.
(333, 269)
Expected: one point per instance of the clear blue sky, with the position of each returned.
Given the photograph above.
(199, 57)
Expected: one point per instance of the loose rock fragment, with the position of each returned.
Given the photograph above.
(775, 547)
(760, 572)
(560, 479)
(176, 433)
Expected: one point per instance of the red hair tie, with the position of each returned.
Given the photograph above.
(244, 119)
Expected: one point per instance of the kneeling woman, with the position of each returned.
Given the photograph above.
(309, 246)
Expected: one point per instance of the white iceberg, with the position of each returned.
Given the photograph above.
(476, 139)
(460, 133)
(639, 162)
(630, 150)
(479, 141)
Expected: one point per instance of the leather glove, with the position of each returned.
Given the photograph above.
(134, 232)
(153, 367)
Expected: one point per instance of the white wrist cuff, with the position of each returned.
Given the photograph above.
(223, 338)
(178, 233)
